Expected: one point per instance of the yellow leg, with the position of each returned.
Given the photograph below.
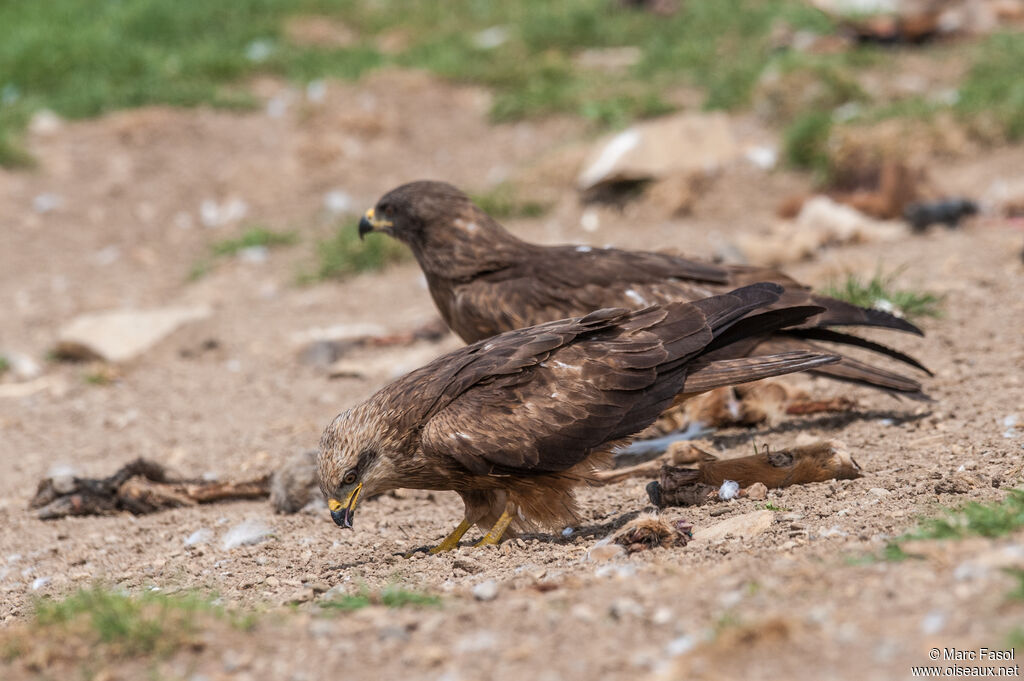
(452, 540)
(493, 536)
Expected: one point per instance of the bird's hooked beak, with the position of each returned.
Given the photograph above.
(342, 513)
(369, 223)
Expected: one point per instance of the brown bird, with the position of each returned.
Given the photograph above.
(512, 423)
(485, 281)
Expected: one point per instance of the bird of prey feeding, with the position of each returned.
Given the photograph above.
(512, 423)
(485, 281)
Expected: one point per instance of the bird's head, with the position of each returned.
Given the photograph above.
(444, 228)
(353, 462)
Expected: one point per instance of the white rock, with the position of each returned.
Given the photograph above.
(45, 123)
(337, 202)
(623, 607)
(23, 366)
(201, 536)
(603, 552)
(762, 157)
(39, 583)
(254, 255)
(246, 533)
(477, 642)
(933, 622)
(316, 90)
(120, 335)
(486, 591)
(840, 223)
(673, 145)
(744, 526)
(337, 332)
(679, 646)
(259, 50)
(492, 37)
(47, 202)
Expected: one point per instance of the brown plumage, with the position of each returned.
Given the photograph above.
(512, 423)
(485, 281)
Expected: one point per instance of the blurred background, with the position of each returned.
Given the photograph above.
(182, 279)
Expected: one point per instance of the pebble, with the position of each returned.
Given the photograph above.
(486, 591)
(624, 607)
(338, 202)
(201, 536)
(46, 202)
(757, 492)
(602, 553)
(933, 622)
(879, 492)
(272, 581)
(246, 533)
(680, 646)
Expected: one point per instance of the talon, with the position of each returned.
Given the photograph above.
(447, 544)
(493, 535)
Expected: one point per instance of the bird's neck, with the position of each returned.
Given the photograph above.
(466, 249)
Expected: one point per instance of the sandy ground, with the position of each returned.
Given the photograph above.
(798, 601)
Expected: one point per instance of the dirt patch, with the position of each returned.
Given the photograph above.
(126, 226)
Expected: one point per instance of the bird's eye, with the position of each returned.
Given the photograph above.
(384, 209)
(350, 477)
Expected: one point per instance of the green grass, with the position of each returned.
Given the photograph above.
(805, 141)
(252, 238)
(151, 623)
(1018, 574)
(391, 596)
(993, 86)
(879, 292)
(81, 58)
(502, 201)
(975, 519)
(98, 377)
(772, 507)
(995, 519)
(344, 254)
(5, 365)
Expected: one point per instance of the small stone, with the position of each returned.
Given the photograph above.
(201, 536)
(758, 491)
(879, 492)
(272, 582)
(744, 526)
(337, 202)
(625, 607)
(486, 591)
(246, 533)
(47, 202)
(602, 553)
(680, 645)
(121, 335)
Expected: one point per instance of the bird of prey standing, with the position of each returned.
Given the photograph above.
(485, 281)
(512, 423)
